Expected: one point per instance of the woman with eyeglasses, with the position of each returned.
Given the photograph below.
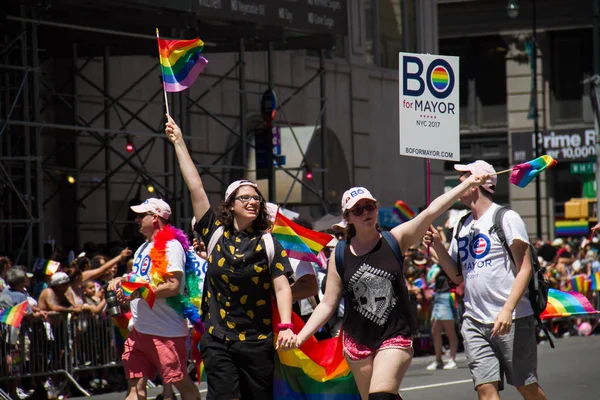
(378, 320)
(237, 347)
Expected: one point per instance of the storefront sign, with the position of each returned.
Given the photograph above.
(572, 145)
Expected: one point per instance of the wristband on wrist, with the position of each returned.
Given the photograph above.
(283, 327)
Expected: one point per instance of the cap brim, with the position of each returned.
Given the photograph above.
(356, 199)
(139, 209)
(462, 167)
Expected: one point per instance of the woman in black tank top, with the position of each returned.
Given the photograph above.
(377, 313)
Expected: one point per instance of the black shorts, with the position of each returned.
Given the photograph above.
(237, 369)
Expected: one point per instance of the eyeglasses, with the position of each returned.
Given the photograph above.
(246, 198)
(359, 210)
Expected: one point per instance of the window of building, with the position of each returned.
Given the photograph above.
(459, 48)
(390, 29)
(571, 63)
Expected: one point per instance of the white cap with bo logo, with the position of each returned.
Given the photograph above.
(155, 206)
(352, 196)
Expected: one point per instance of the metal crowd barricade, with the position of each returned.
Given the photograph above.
(65, 344)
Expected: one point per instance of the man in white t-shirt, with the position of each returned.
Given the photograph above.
(157, 337)
(499, 326)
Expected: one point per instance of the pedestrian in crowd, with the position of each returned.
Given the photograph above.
(237, 348)
(55, 298)
(499, 326)
(157, 335)
(5, 265)
(379, 321)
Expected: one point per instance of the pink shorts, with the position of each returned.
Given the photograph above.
(355, 351)
(145, 355)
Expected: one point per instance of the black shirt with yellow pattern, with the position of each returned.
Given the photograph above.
(236, 302)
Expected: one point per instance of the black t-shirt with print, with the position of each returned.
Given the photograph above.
(236, 301)
(377, 304)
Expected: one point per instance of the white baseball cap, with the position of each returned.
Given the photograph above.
(352, 196)
(339, 226)
(236, 185)
(480, 167)
(59, 278)
(155, 206)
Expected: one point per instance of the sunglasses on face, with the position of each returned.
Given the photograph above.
(359, 210)
(245, 198)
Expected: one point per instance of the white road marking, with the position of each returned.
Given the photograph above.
(434, 385)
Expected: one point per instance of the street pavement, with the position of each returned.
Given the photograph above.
(569, 371)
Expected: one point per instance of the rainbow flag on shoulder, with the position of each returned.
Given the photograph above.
(299, 242)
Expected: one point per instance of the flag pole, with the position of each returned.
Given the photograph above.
(163, 76)
(503, 172)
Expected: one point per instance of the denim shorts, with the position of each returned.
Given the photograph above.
(443, 307)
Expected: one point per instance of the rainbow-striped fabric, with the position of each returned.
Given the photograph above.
(523, 174)
(566, 304)
(14, 315)
(135, 283)
(180, 62)
(299, 242)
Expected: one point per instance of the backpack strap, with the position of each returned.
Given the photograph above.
(340, 247)
(269, 247)
(214, 239)
(389, 237)
(499, 231)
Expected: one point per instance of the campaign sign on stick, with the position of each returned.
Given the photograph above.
(429, 106)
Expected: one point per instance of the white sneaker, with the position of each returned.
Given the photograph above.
(451, 365)
(435, 365)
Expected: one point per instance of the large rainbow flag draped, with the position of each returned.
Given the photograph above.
(566, 304)
(14, 315)
(523, 174)
(299, 242)
(180, 62)
(315, 371)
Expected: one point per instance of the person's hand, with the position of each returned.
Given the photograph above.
(285, 340)
(596, 228)
(126, 253)
(115, 284)
(77, 309)
(172, 130)
(86, 307)
(477, 180)
(200, 249)
(432, 238)
(503, 323)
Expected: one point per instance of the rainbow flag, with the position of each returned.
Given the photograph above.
(14, 315)
(315, 371)
(299, 242)
(595, 281)
(566, 304)
(135, 283)
(454, 304)
(523, 174)
(403, 211)
(120, 324)
(580, 283)
(180, 62)
(579, 227)
(51, 267)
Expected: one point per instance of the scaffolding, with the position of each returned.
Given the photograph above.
(44, 59)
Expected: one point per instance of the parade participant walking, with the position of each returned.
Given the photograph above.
(245, 268)
(378, 320)
(499, 326)
(157, 337)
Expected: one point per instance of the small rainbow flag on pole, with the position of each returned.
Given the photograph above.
(135, 283)
(51, 267)
(14, 315)
(596, 281)
(566, 304)
(580, 283)
(523, 174)
(180, 62)
(403, 211)
(299, 242)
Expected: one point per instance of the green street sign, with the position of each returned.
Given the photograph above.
(583, 168)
